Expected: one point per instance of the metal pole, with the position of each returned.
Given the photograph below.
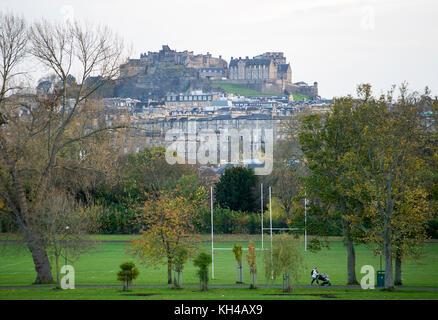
(380, 260)
(66, 260)
(270, 223)
(305, 224)
(212, 246)
(261, 201)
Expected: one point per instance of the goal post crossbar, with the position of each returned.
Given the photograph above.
(289, 229)
(243, 249)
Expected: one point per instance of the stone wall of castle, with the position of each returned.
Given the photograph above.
(303, 88)
(205, 61)
(167, 57)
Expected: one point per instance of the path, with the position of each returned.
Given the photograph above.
(211, 286)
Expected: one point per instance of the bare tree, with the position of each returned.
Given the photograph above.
(13, 45)
(44, 138)
(285, 178)
(63, 226)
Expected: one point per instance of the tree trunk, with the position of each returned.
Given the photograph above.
(286, 283)
(351, 262)
(387, 251)
(203, 281)
(239, 272)
(177, 276)
(40, 259)
(398, 268)
(36, 248)
(253, 278)
(179, 279)
(169, 271)
(58, 286)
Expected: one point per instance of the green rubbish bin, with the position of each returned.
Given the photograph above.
(380, 278)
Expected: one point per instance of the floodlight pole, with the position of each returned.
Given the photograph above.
(212, 246)
(261, 207)
(270, 224)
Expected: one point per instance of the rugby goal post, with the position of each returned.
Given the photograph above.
(262, 229)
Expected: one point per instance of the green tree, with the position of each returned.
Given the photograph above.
(139, 174)
(127, 273)
(202, 261)
(285, 259)
(168, 221)
(428, 151)
(326, 140)
(237, 250)
(385, 163)
(150, 170)
(235, 189)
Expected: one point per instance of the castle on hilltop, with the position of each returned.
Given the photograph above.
(167, 57)
(268, 72)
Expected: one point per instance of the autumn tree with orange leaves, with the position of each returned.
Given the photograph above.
(168, 220)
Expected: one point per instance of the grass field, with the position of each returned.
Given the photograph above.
(244, 91)
(240, 90)
(99, 267)
(215, 293)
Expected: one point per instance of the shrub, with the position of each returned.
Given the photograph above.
(251, 258)
(237, 250)
(127, 273)
(202, 261)
(284, 258)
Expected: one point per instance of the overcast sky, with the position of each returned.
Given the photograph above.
(339, 43)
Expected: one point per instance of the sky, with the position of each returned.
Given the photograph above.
(338, 43)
